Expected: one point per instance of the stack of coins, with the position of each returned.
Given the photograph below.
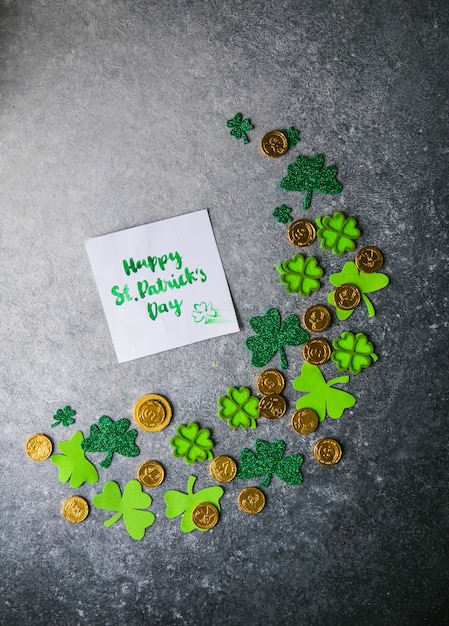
(272, 405)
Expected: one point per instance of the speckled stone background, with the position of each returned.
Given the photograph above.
(113, 114)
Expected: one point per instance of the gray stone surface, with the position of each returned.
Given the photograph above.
(112, 115)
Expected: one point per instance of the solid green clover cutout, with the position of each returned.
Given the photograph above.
(300, 274)
(64, 417)
(273, 336)
(110, 437)
(192, 442)
(353, 352)
(282, 214)
(73, 463)
(320, 395)
(239, 407)
(366, 283)
(129, 506)
(181, 503)
(337, 232)
(238, 127)
(268, 460)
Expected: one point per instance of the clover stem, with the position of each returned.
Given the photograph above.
(369, 305)
(284, 363)
(190, 484)
(339, 379)
(307, 200)
(107, 460)
(266, 482)
(113, 519)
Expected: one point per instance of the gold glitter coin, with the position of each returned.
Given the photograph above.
(223, 469)
(75, 509)
(272, 407)
(301, 233)
(305, 421)
(317, 318)
(270, 381)
(251, 500)
(317, 351)
(274, 144)
(150, 474)
(327, 451)
(347, 297)
(369, 259)
(152, 412)
(205, 515)
(39, 447)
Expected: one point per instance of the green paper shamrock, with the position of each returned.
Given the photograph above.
(366, 283)
(337, 232)
(321, 396)
(110, 437)
(273, 336)
(129, 505)
(64, 417)
(270, 460)
(239, 407)
(300, 274)
(203, 312)
(282, 214)
(181, 503)
(192, 442)
(239, 126)
(292, 135)
(73, 463)
(353, 352)
(308, 174)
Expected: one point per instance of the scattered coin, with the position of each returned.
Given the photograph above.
(369, 259)
(75, 509)
(251, 500)
(152, 412)
(305, 421)
(327, 451)
(39, 447)
(272, 407)
(347, 297)
(223, 469)
(150, 474)
(205, 515)
(270, 381)
(317, 351)
(301, 233)
(274, 144)
(317, 318)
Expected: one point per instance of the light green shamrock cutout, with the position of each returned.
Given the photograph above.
(203, 312)
(181, 503)
(366, 283)
(353, 352)
(239, 407)
(73, 463)
(337, 232)
(300, 274)
(192, 442)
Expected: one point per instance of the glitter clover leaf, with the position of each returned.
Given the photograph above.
(181, 503)
(203, 312)
(239, 407)
(300, 274)
(293, 136)
(110, 437)
(353, 352)
(337, 232)
(64, 417)
(268, 460)
(72, 463)
(192, 442)
(282, 214)
(238, 126)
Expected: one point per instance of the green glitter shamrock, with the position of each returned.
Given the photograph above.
(64, 417)
(129, 506)
(300, 274)
(308, 174)
(110, 437)
(239, 407)
(366, 283)
(270, 460)
(181, 503)
(203, 312)
(73, 463)
(353, 352)
(192, 442)
(292, 135)
(282, 214)
(337, 232)
(273, 336)
(239, 126)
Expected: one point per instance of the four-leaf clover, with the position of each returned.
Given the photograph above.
(73, 463)
(366, 283)
(300, 274)
(337, 232)
(238, 127)
(239, 407)
(268, 460)
(110, 437)
(353, 352)
(309, 174)
(180, 503)
(192, 442)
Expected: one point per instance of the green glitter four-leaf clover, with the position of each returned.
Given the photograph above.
(270, 460)
(320, 395)
(337, 232)
(282, 214)
(353, 352)
(239, 407)
(238, 127)
(203, 312)
(366, 283)
(181, 503)
(110, 437)
(192, 442)
(73, 463)
(129, 506)
(300, 274)
(64, 417)
(273, 336)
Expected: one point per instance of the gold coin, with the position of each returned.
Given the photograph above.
(150, 474)
(272, 407)
(317, 318)
(152, 412)
(270, 381)
(301, 233)
(327, 451)
(369, 259)
(39, 447)
(274, 144)
(75, 509)
(223, 469)
(251, 500)
(205, 515)
(347, 297)
(317, 351)
(305, 421)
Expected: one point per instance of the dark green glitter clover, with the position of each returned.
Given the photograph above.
(268, 460)
(309, 174)
(292, 135)
(111, 437)
(239, 127)
(282, 214)
(64, 417)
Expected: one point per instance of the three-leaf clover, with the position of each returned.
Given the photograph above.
(238, 127)
(192, 442)
(73, 463)
(110, 437)
(64, 417)
(203, 312)
(181, 503)
(309, 174)
(273, 336)
(268, 460)
(353, 352)
(292, 135)
(129, 506)
(320, 395)
(300, 274)
(282, 214)
(337, 232)
(366, 283)
(239, 407)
